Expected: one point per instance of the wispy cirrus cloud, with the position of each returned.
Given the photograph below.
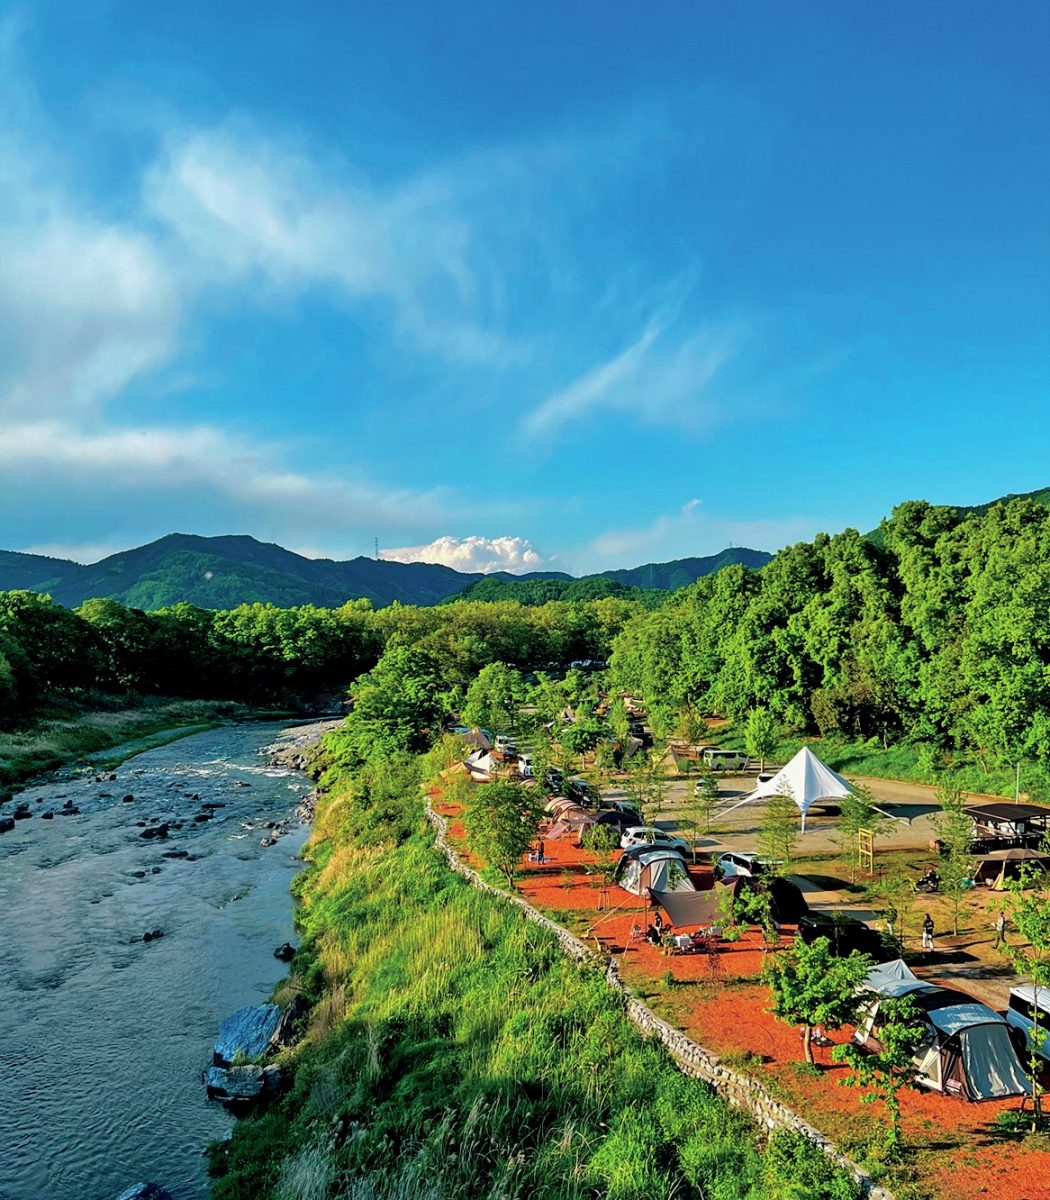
(663, 377)
(182, 459)
(243, 206)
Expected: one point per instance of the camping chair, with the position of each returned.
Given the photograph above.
(637, 935)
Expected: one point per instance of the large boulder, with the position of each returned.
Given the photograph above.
(234, 1085)
(6, 824)
(249, 1032)
(145, 1191)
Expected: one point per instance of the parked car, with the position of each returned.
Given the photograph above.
(554, 781)
(735, 862)
(845, 934)
(1027, 1010)
(625, 806)
(725, 760)
(618, 820)
(650, 835)
(505, 744)
(765, 777)
(582, 790)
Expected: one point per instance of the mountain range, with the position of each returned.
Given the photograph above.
(222, 572)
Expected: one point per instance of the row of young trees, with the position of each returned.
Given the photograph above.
(936, 628)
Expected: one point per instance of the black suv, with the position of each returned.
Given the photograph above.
(844, 933)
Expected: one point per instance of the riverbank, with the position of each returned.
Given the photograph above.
(452, 1049)
(121, 1024)
(107, 733)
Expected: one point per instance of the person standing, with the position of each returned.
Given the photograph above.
(927, 932)
(1000, 930)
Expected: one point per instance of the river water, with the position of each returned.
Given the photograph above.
(105, 1036)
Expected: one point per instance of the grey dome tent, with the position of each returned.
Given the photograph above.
(967, 1048)
(656, 869)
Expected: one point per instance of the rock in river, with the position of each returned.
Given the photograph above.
(242, 1083)
(250, 1031)
(6, 824)
(145, 1191)
(285, 953)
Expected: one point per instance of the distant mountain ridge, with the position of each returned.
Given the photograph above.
(222, 572)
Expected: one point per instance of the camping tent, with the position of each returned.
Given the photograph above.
(967, 1048)
(997, 866)
(806, 780)
(654, 869)
(570, 820)
(691, 908)
(481, 765)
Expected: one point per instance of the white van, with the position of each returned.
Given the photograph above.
(725, 760)
(1026, 1010)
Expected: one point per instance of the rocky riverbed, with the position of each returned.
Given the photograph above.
(135, 919)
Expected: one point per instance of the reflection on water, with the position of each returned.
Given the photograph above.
(105, 1036)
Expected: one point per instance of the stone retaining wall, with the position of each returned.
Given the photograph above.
(691, 1058)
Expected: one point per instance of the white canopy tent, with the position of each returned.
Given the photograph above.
(806, 780)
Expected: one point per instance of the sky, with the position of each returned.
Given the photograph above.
(514, 286)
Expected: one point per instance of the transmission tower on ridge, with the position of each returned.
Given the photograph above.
(377, 549)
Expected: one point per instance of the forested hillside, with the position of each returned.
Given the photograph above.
(224, 572)
(940, 634)
(647, 583)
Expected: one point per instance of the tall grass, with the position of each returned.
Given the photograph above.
(79, 733)
(452, 1052)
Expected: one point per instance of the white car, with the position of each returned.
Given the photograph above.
(725, 760)
(733, 862)
(1027, 1010)
(650, 835)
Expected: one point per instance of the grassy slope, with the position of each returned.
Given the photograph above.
(453, 1052)
(70, 734)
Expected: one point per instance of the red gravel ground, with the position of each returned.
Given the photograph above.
(718, 1000)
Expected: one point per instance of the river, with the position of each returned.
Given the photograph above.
(105, 1036)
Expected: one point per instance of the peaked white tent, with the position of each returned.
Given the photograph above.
(806, 780)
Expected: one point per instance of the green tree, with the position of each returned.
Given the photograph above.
(645, 785)
(856, 813)
(620, 722)
(811, 987)
(955, 833)
(884, 1072)
(494, 698)
(699, 805)
(761, 735)
(501, 824)
(1029, 909)
(778, 830)
(603, 841)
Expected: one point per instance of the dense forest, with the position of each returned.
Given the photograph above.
(935, 629)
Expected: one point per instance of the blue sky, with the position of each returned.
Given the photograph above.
(515, 285)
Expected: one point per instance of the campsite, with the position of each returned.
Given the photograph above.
(709, 981)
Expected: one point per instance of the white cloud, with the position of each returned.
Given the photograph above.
(473, 554)
(180, 459)
(86, 306)
(663, 377)
(242, 206)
